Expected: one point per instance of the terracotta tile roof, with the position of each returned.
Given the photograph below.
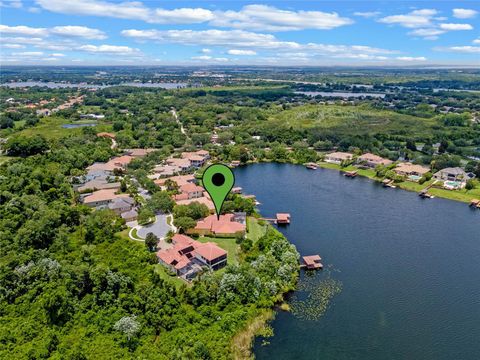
(103, 195)
(339, 155)
(409, 168)
(374, 159)
(210, 251)
(139, 152)
(224, 225)
(189, 188)
(202, 200)
(283, 216)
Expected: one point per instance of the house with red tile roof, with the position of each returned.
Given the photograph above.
(224, 226)
(136, 153)
(101, 198)
(197, 158)
(372, 160)
(187, 256)
(338, 157)
(189, 191)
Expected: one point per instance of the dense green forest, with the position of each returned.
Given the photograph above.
(72, 287)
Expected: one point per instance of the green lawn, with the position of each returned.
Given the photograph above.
(255, 230)
(51, 128)
(349, 119)
(227, 244)
(457, 195)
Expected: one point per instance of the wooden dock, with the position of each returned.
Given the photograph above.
(351, 174)
(312, 262)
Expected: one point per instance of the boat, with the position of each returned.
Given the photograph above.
(351, 174)
(388, 183)
(311, 166)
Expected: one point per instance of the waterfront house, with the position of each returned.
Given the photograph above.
(411, 170)
(187, 256)
(338, 157)
(223, 226)
(372, 160)
(456, 174)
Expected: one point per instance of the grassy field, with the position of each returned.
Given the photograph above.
(228, 244)
(51, 128)
(348, 119)
(457, 195)
(255, 230)
(4, 158)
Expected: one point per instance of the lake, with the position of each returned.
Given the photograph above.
(55, 85)
(74, 126)
(409, 268)
(340, 94)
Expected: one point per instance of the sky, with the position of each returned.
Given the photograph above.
(275, 33)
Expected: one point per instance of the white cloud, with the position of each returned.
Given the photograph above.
(464, 13)
(414, 19)
(58, 55)
(11, 4)
(133, 10)
(28, 53)
(243, 39)
(410, 58)
(65, 31)
(241, 52)
(209, 58)
(12, 46)
(34, 10)
(108, 49)
(454, 27)
(182, 16)
(78, 31)
(206, 51)
(426, 32)
(460, 49)
(476, 41)
(367, 14)
(251, 17)
(270, 18)
(23, 30)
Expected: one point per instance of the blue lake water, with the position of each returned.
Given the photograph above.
(57, 85)
(410, 268)
(73, 126)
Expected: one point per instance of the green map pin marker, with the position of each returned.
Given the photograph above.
(218, 180)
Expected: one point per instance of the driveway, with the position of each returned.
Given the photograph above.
(159, 227)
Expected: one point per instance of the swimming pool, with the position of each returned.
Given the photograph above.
(414, 177)
(452, 184)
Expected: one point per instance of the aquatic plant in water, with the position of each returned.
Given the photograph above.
(319, 295)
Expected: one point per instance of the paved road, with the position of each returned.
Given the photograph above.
(159, 227)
